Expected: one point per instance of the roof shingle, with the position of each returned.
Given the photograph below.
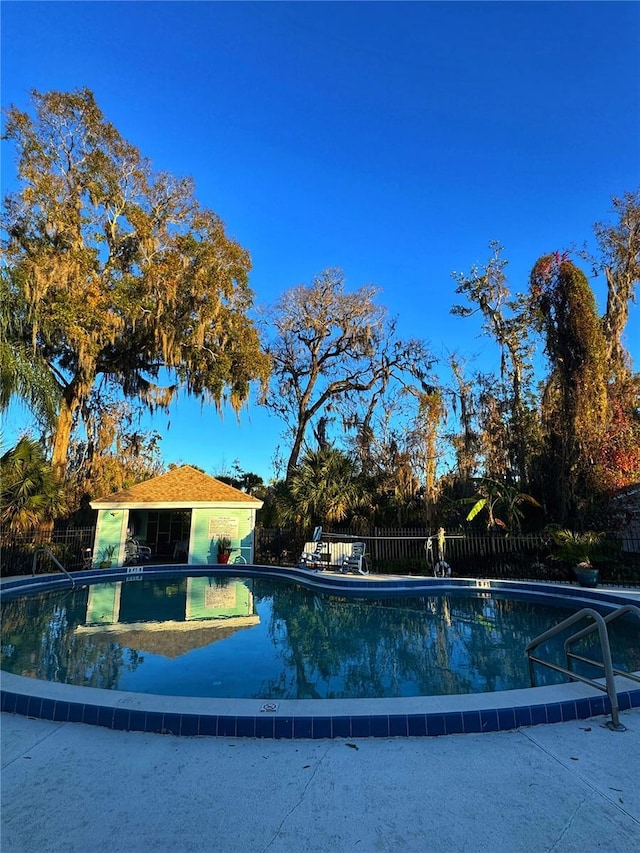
(182, 487)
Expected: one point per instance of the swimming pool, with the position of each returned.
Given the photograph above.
(428, 657)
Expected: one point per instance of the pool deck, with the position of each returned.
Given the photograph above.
(561, 787)
(319, 719)
(74, 788)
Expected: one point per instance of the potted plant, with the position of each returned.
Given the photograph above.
(107, 556)
(579, 549)
(224, 549)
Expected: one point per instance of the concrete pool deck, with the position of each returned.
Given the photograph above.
(73, 788)
(562, 787)
(341, 718)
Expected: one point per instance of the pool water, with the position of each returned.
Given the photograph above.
(275, 639)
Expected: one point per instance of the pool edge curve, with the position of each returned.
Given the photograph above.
(326, 718)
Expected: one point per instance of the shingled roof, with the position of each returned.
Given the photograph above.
(170, 639)
(181, 487)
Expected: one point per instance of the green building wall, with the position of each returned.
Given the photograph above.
(207, 524)
(206, 600)
(111, 532)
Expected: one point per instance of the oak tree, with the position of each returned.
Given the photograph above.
(330, 350)
(119, 276)
(619, 259)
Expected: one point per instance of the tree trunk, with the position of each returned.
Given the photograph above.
(62, 435)
(295, 450)
(619, 292)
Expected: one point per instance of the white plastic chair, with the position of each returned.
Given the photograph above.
(356, 561)
(312, 558)
(134, 551)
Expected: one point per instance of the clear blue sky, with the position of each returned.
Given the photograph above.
(394, 140)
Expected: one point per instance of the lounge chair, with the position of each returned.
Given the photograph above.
(356, 561)
(181, 547)
(313, 557)
(134, 552)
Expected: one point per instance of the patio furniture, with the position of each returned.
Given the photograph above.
(314, 557)
(181, 547)
(356, 561)
(134, 552)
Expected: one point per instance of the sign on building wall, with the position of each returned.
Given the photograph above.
(209, 524)
(224, 525)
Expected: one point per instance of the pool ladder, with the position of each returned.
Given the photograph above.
(53, 558)
(601, 624)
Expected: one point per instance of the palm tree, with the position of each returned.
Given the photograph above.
(23, 372)
(326, 488)
(30, 491)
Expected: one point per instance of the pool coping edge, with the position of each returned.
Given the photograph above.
(350, 718)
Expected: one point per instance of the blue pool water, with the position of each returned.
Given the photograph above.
(274, 639)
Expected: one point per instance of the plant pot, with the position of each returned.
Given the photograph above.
(223, 558)
(105, 564)
(587, 577)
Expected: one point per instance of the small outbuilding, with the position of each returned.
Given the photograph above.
(183, 516)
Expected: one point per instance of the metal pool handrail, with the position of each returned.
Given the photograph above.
(55, 560)
(600, 624)
(628, 608)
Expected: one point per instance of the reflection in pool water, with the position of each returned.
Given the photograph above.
(272, 639)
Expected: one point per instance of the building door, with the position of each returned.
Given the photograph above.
(168, 533)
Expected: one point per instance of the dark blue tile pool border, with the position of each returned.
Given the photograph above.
(322, 725)
(330, 581)
(315, 727)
